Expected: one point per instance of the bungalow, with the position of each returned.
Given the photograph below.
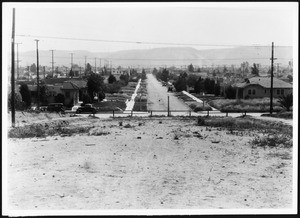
(260, 87)
(72, 89)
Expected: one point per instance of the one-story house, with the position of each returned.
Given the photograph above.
(72, 89)
(260, 87)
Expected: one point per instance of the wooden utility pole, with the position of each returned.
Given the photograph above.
(18, 72)
(95, 65)
(71, 60)
(52, 63)
(13, 71)
(84, 63)
(37, 73)
(168, 105)
(271, 94)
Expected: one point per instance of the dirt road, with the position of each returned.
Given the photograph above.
(158, 96)
(149, 164)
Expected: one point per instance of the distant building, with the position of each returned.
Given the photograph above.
(259, 87)
(72, 89)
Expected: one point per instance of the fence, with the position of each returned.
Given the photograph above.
(167, 113)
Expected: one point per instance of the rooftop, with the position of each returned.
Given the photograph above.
(265, 82)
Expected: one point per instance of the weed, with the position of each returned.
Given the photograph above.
(128, 126)
(273, 140)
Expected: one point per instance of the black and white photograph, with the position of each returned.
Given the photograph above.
(148, 108)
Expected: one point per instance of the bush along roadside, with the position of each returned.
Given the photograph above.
(269, 134)
(62, 128)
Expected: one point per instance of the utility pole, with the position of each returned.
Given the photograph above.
(52, 63)
(95, 65)
(271, 94)
(84, 63)
(71, 60)
(37, 71)
(168, 105)
(13, 71)
(18, 73)
(111, 67)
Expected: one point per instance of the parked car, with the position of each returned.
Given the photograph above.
(43, 108)
(57, 107)
(86, 108)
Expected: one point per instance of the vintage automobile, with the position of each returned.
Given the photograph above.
(87, 108)
(56, 107)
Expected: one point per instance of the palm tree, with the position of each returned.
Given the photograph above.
(286, 101)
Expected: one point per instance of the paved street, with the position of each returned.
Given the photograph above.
(158, 96)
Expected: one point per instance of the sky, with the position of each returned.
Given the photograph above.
(205, 24)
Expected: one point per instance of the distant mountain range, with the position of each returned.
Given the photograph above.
(168, 56)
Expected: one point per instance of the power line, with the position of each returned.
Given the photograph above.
(141, 42)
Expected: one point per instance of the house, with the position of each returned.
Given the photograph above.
(260, 87)
(72, 89)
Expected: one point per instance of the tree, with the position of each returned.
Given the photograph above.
(111, 79)
(155, 71)
(71, 73)
(165, 75)
(19, 105)
(88, 69)
(144, 74)
(125, 78)
(255, 70)
(230, 92)
(60, 98)
(191, 80)
(44, 94)
(199, 85)
(286, 101)
(86, 99)
(290, 77)
(95, 86)
(33, 68)
(25, 93)
(191, 68)
(217, 89)
(180, 84)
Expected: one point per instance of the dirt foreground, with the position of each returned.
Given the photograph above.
(157, 163)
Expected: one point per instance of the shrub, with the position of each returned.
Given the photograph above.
(286, 101)
(230, 92)
(273, 140)
(201, 121)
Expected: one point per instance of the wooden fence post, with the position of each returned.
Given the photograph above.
(208, 113)
(113, 113)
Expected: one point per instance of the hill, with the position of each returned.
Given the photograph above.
(177, 56)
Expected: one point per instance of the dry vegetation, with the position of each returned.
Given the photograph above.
(245, 105)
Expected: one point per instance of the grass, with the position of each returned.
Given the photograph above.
(110, 105)
(197, 106)
(245, 105)
(273, 140)
(274, 134)
(61, 127)
(249, 124)
(283, 114)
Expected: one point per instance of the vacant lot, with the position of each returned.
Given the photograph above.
(157, 163)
